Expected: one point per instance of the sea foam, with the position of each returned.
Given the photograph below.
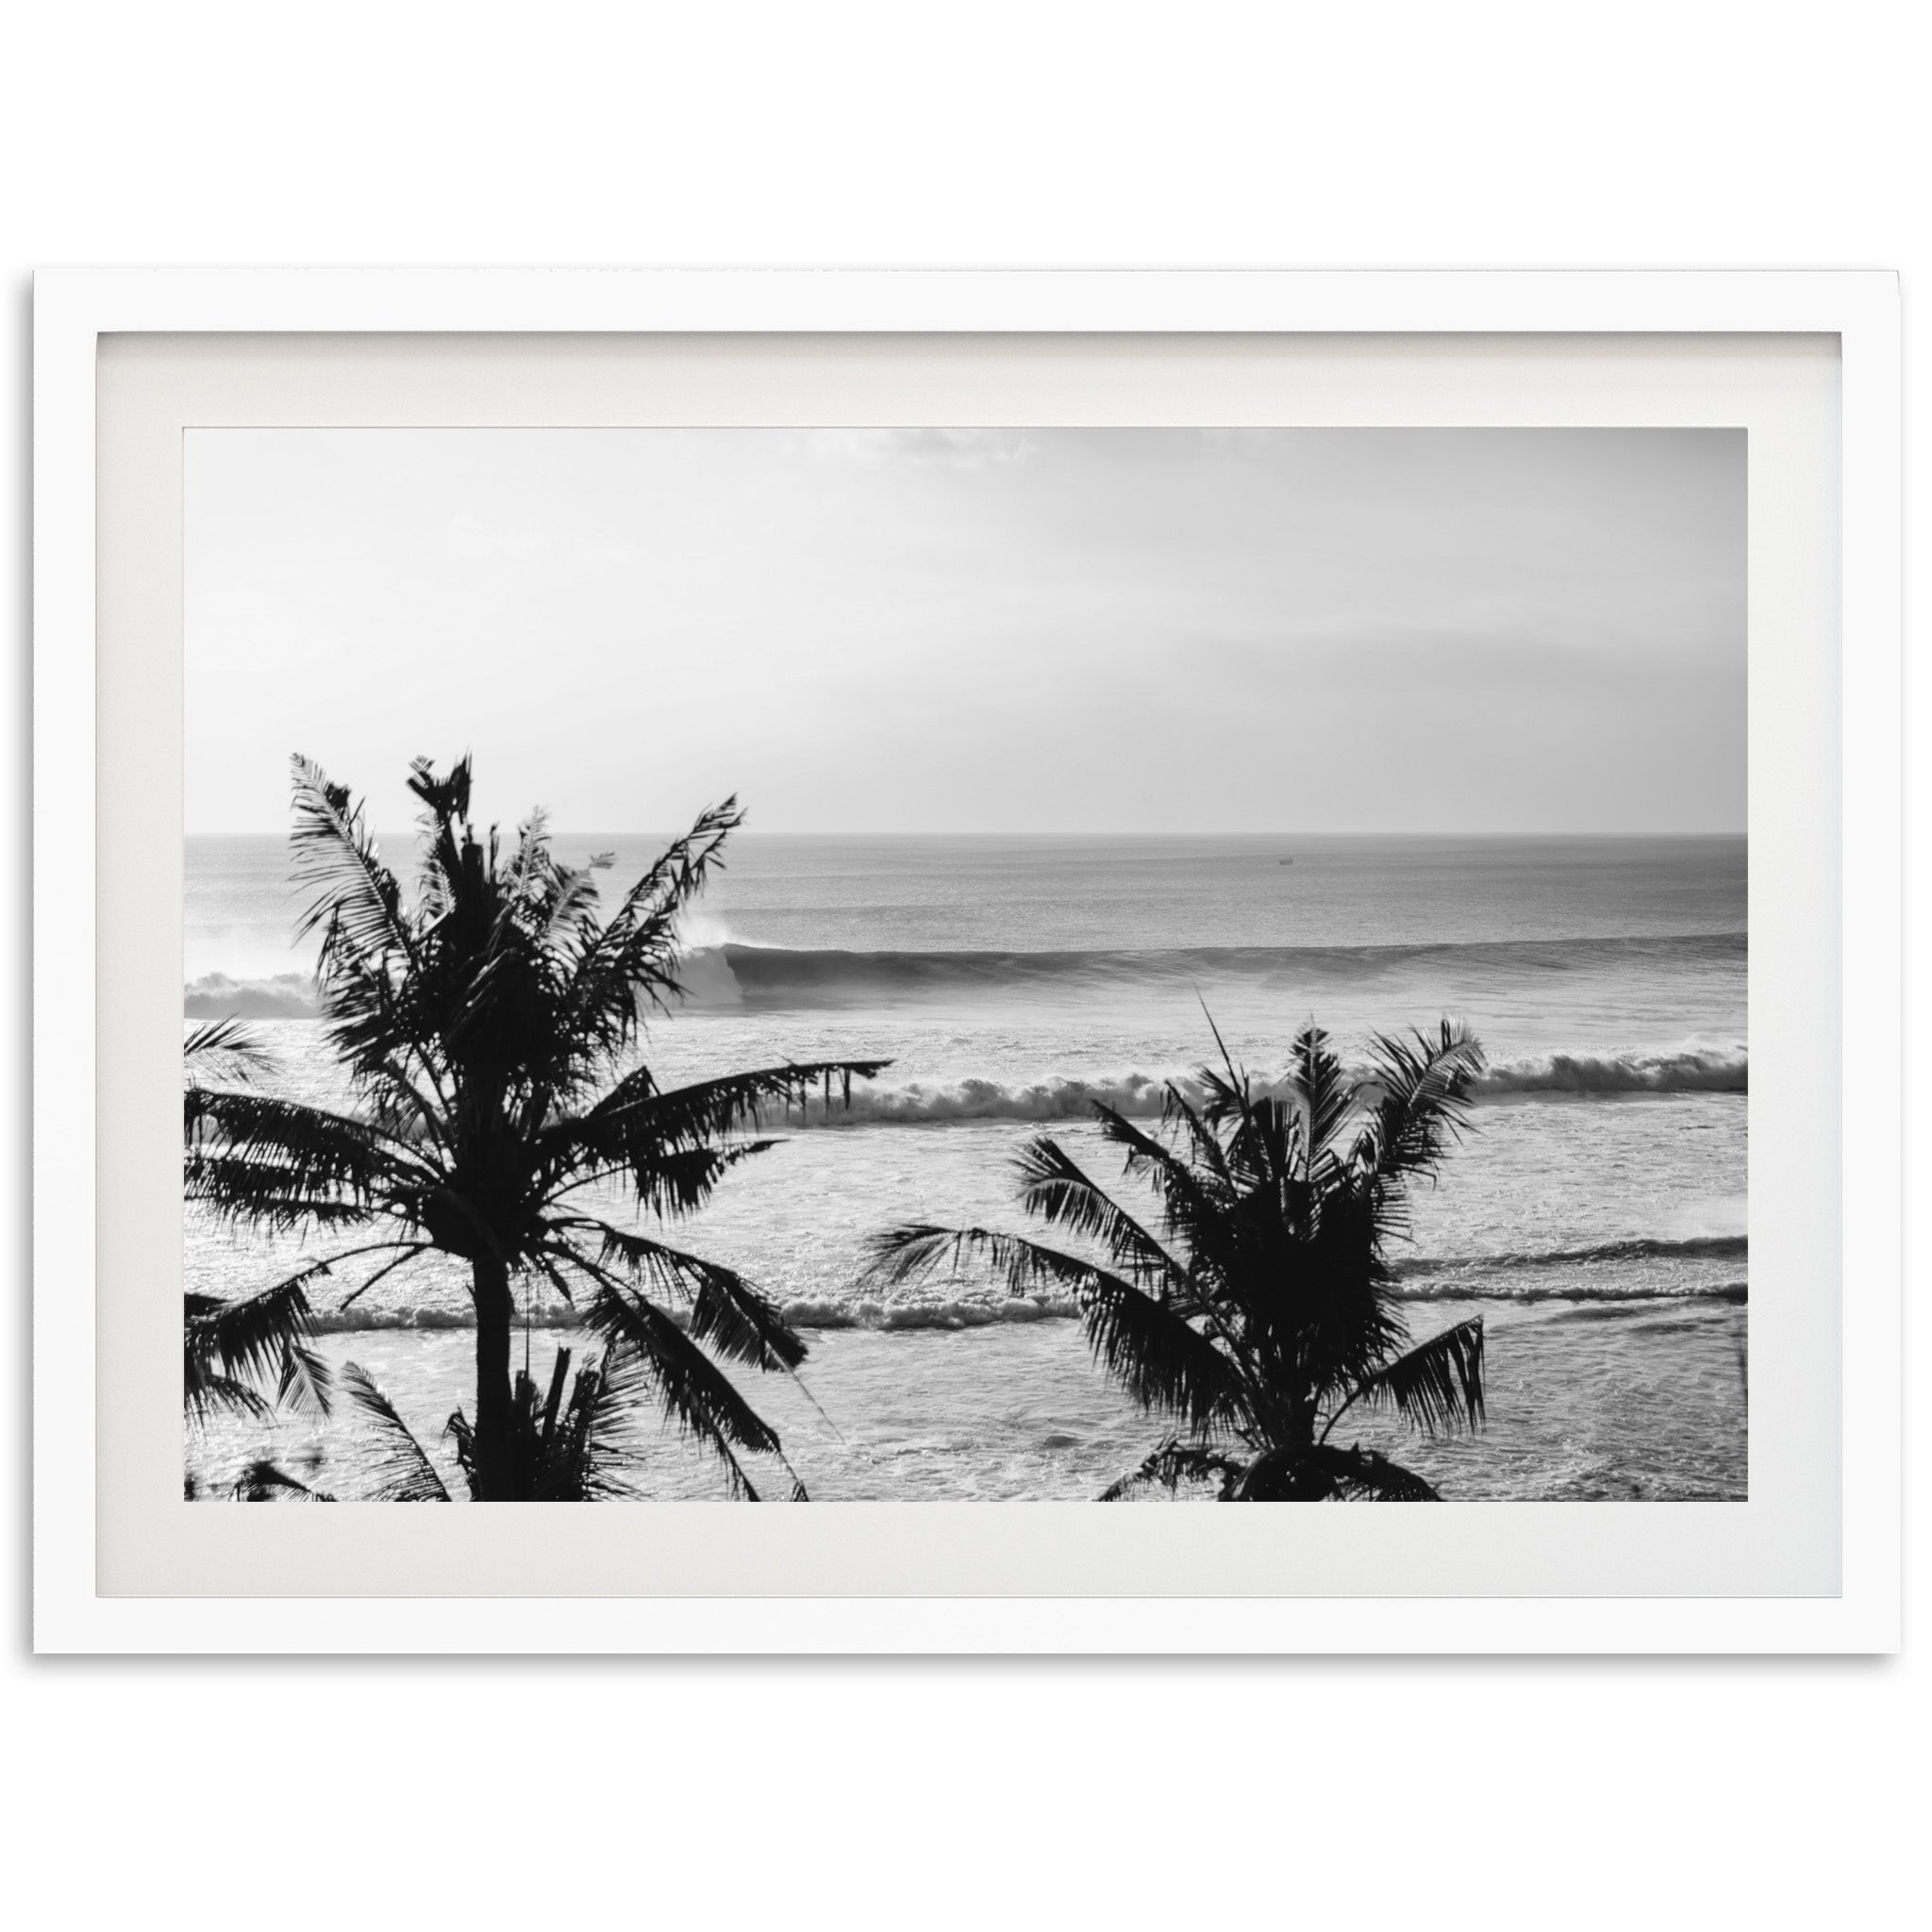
(1689, 1068)
(819, 1312)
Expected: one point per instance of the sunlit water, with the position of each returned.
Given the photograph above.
(1596, 1216)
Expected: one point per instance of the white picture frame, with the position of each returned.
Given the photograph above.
(242, 315)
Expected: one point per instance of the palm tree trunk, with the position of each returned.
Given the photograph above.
(494, 1447)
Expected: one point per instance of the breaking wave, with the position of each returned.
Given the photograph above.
(215, 996)
(1736, 1293)
(727, 973)
(1722, 1247)
(974, 1311)
(988, 1311)
(724, 974)
(1140, 1096)
(731, 972)
(1687, 1069)
(1680, 1069)
(968, 1311)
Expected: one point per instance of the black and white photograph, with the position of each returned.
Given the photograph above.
(908, 788)
(996, 964)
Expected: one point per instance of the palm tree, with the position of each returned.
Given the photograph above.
(1258, 1308)
(231, 1348)
(576, 1451)
(486, 1029)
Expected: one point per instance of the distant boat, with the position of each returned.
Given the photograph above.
(603, 861)
(1284, 861)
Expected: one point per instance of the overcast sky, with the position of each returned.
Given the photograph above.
(980, 630)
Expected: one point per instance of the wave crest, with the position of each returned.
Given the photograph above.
(957, 1312)
(215, 996)
(1140, 1096)
(1695, 1069)
(730, 972)
(1726, 1247)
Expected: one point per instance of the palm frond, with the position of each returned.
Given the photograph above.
(1204, 1222)
(693, 1115)
(679, 873)
(443, 799)
(410, 1251)
(1362, 1475)
(600, 1425)
(354, 899)
(261, 1197)
(224, 1049)
(263, 1160)
(206, 1393)
(1325, 1095)
(1198, 1199)
(404, 1471)
(1173, 1463)
(263, 1482)
(671, 1184)
(1245, 1158)
(696, 1395)
(1054, 1186)
(1211, 1167)
(229, 1345)
(634, 955)
(1151, 1350)
(1324, 1474)
(1435, 1386)
(640, 1130)
(727, 1313)
(1422, 1087)
(303, 1383)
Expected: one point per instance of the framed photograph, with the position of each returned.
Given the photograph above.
(956, 898)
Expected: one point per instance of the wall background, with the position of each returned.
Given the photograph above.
(1492, 135)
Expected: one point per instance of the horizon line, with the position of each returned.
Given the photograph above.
(554, 833)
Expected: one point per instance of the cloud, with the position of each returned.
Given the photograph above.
(624, 623)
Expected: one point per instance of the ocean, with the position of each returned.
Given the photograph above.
(1596, 1215)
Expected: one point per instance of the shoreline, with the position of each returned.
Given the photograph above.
(1646, 1405)
(986, 1313)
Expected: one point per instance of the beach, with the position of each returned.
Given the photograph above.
(1595, 1215)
